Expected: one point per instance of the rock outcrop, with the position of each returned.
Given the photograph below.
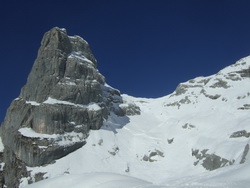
(211, 87)
(65, 96)
(210, 161)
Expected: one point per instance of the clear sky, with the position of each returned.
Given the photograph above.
(144, 48)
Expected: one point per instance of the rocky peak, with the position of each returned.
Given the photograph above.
(61, 59)
(57, 39)
(65, 96)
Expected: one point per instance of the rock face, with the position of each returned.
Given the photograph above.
(65, 96)
(210, 161)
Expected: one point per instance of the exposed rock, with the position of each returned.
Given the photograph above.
(188, 126)
(2, 164)
(185, 100)
(112, 99)
(242, 133)
(170, 141)
(213, 97)
(183, 88)
(14, 169)
(145, 158)
(189, 91)
(127, 169)
(65, 96)
(195, 153)
(245, 73)
(176, 103)
(114, 151)
(210, 161)
(100, 142)
(220, 84)
(244, 96)
(149, 157)
(63, 59)
(204, 81)
(130, 109)
(233, 76)
(245, 152)
(39, 176)
(245, 107)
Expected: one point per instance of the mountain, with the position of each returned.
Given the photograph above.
(65, 96)
(70, 127)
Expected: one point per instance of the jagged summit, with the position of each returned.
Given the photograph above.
(65, 96)
(62, 59)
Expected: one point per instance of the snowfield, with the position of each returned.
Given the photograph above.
(97, 180)
(172, 143)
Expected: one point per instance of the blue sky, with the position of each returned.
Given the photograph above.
(144, 48)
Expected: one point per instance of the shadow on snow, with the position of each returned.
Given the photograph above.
(115, 122)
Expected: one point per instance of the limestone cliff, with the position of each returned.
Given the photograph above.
(65, 96)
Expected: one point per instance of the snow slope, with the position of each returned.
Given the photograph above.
(172, 143)
(97, 180)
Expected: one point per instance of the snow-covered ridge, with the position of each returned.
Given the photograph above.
(243, 63)
(218, 88)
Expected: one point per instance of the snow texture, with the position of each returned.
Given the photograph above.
(80, 57)
(1, 145)
(91, 106)
(162, 147)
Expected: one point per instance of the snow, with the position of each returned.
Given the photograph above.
(1, 145)
(61, 29)
(108, 86)
(2, 166)
(28, 132)
(93, 180)
(79, 56)
(115, 155)
(55, 101)
(91, 106)
(94, 107)
(243, 63)
(34, 103)
(61, 140)
(78, 37)
(68, 83)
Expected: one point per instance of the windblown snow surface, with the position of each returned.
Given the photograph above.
(165, 145)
